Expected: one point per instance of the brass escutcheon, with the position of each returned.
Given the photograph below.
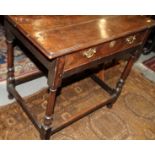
(148, 20)
(112, 44)
(89, 53)
(131, 39)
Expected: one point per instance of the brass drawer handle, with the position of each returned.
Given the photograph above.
(89, 53)
(131, 39)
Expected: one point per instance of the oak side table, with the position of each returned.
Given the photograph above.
(66, 45)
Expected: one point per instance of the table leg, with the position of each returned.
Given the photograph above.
(48, 119)
(10, 64)
(124, 76)
(54, 81)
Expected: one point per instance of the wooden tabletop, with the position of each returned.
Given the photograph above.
(59, 35)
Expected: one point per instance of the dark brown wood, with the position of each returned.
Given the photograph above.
(10, 62)
(22, 103)
(66, 45)
(103, 84)
(28, 78)
(60, 35)
(82, 114)
(54, 81)
(101, 60)
(104, 50)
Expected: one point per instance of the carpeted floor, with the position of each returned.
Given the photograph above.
(23, 65)
(132, 116)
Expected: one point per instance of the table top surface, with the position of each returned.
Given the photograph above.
(59, 35)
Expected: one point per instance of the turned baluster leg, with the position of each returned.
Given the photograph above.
(48, 119)
(54, 81)
(10, 64)
(128, 68)
(124, 76)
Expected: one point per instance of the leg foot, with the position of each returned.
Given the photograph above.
(46, 133)
(10, 96)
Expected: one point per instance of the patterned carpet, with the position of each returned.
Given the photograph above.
(132, 116)
(23, 65)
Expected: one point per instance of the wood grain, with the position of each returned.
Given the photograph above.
(59, 35)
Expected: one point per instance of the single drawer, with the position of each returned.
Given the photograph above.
(86, 56)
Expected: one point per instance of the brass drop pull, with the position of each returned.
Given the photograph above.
(131, 39)
(89, 53)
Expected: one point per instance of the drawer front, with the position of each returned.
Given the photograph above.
(86, 56)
